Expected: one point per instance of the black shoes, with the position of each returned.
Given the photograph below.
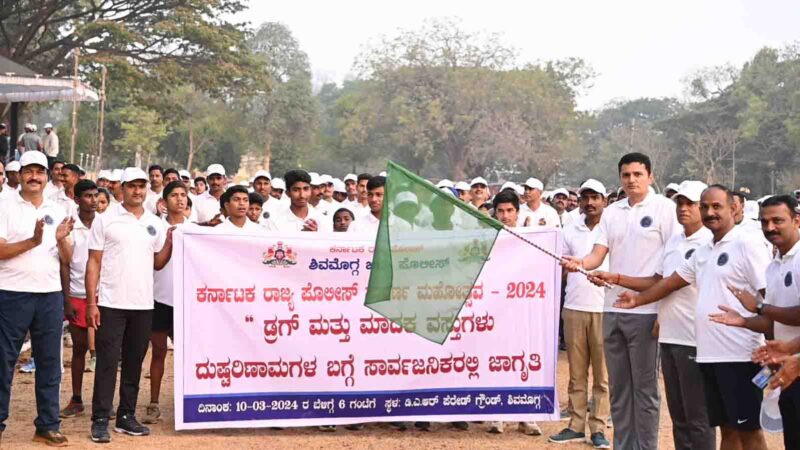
(128, 424)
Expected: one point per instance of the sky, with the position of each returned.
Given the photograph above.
(637, 48)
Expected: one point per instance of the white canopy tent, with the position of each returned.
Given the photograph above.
(19, 84)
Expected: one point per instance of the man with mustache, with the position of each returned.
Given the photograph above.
(632, 233)
(583, 327)
(780, 221)
(731, 261)
(207, 203)
(126, 244)
(33, 244)
(683, 380)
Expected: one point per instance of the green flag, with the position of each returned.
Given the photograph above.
(429, 252)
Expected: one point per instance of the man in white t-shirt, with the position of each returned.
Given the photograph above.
(583, 327)
(536, 213)
(236, 202)
(127, 243)
(299, 215)
(780, 222)
(632, 233)
(730, 262)
(683, 380)
(368, 222)
(73, 274)
(207, 203)
(176, 198)
(156, 175)
(262, 184)
(33, 242)
(351, 189)
(478, 191)
(560, 200)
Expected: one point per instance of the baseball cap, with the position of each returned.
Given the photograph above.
(133, 174)
(316, 180)
(534, 183)
(116, 175)
(184, 174)
(561, 191)
(48, 125)
(104, 174)
(508, 185)
(278, 183)
(338, 186)
(444, 183)
(406, 197)
(692, 190)
(32, 157)
(350, 177)
(13, 166)
(592, 185)
(672, 187)
(325, 179)
(462, 186)
(215, 169)
(478, 180)
(262, 173)
(382, 174)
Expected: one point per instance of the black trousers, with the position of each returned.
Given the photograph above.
(789, 404)
(125, 332)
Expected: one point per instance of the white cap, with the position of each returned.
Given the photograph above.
(278, 183)
(561, 191)
(673, 187)
(33, 126)
(448, 191)
(133, 174)
(32, 157)
(508, 185)
(104, 174)
(316, 180)
(520, 190)
(761, 200)
(48, 125)
(534, 183)
(350, 177)
(325, 179)
(692, 190)
(116, 175)
(592, 185)
(184, 173)
(215, 169)
(462, 186)
(478, 180)
(338, 186)
(751, 210)
(445, 183)
(13, 166)
(262, 173)
(382, 174)
(406, 197)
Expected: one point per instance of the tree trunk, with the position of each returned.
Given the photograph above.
(267, 150)
(191, 145)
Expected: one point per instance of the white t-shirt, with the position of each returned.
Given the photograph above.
(544, 216)
(206, 206)
(151, 201)
(285, 220)
(676, 311)
(162, 279)
(783, 276)
(735, 261)
(129, 246)
(581, 294)
(38, 269)
(60, 197)
(80, 256)
(366, 223)
(566, 218)
(248, 228)
(635, 237)
(271, 207)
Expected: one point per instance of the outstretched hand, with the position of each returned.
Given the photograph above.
(729, 317)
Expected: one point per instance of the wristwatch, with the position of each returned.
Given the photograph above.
(759, 306)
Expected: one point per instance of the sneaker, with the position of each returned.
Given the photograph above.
(422, 426)
(92, 364)
(73, 409)
(530, 428)
(461, 426)
(496, 427)
(127, 424)
(152, 414)
(327, 428)
(50, 438)
(28, 367)
(354, 427)
(599, 440)
(100, 431)
(567, 435)
(401, 426)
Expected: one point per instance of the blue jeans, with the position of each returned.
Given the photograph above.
(42, 315)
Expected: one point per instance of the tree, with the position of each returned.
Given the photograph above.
(285, 118)
(142, 132)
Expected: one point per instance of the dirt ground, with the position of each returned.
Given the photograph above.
(23, 410)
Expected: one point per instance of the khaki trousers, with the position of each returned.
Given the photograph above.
(583, 333)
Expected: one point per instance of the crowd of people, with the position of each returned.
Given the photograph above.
(700, 278)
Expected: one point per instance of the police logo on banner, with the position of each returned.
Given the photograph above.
(688, 254)
(151, 230)
(722, 260)
(646, 221)
(47, 219)
(787, 280)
